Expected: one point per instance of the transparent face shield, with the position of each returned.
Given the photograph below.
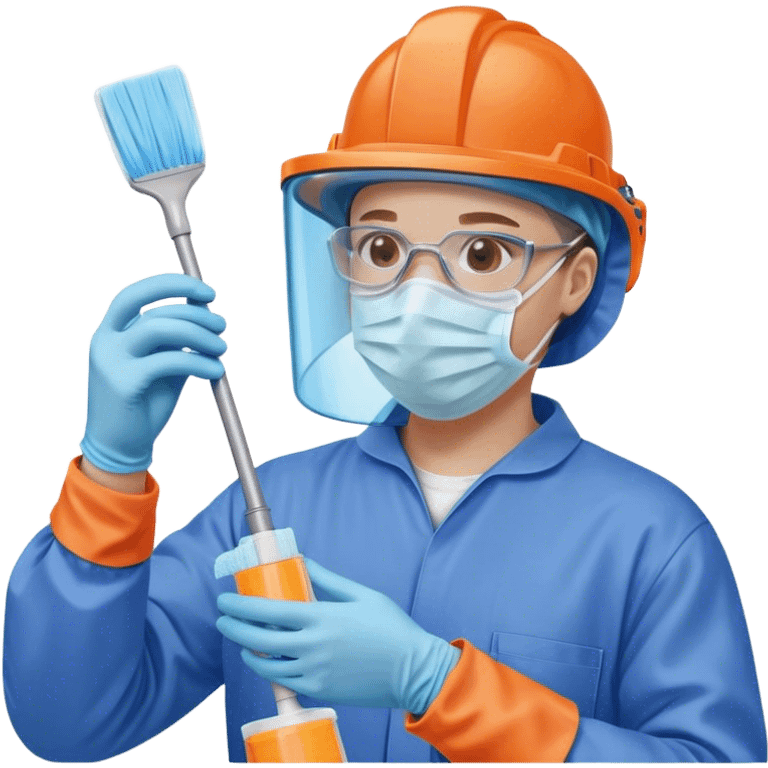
(330, 377)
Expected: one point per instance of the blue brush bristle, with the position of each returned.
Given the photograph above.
(152, 122)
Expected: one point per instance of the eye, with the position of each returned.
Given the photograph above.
(380, 250)
(485, 255)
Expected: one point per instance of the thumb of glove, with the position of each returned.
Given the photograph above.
(333, 585)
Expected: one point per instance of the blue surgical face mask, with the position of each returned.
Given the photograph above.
(440, 353)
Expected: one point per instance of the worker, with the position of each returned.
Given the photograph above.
(490, 586)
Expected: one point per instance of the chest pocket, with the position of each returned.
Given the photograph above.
(571, 670)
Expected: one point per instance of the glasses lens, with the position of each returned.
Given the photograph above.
(485, 262)
(367, 256)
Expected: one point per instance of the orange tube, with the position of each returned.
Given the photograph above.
(314, 738)
(316, 741)
(281, 580)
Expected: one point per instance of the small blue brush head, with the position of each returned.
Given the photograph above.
(152, 122)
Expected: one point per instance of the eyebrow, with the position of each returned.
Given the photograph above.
(380, 215)
(478, 217)
(485, 217)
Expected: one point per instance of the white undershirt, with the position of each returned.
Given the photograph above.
(441, 492)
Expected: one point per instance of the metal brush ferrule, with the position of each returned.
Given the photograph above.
(170, 189)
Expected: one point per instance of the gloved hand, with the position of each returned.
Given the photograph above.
(137, 367)
(361, 649)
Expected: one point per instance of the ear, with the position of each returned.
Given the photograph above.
(578, 278)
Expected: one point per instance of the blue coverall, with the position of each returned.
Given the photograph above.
(586, 572)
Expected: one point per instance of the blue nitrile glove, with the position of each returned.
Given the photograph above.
(362, 650)
(137, 367)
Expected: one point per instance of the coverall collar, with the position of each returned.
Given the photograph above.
(543, 449)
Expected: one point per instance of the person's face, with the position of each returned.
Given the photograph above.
(426, 211)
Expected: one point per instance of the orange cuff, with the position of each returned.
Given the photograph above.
(103, 526)
(487, 712)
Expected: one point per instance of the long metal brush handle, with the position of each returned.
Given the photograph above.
(257, 513)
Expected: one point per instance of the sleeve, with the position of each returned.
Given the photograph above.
(686, 686)
(487, 712)
(105, 645)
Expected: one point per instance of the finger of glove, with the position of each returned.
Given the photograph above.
(168, 333)
(291, 614)
(126, 305)
(194, 313)
(270, 641)
(163, 364)
(284, 671)
(277, 642)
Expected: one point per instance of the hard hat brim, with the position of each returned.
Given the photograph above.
(567, 167)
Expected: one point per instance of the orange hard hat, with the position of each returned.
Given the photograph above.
(467, 91)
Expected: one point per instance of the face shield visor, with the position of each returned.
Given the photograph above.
(330, 377)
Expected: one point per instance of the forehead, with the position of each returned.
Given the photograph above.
(424, 200)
